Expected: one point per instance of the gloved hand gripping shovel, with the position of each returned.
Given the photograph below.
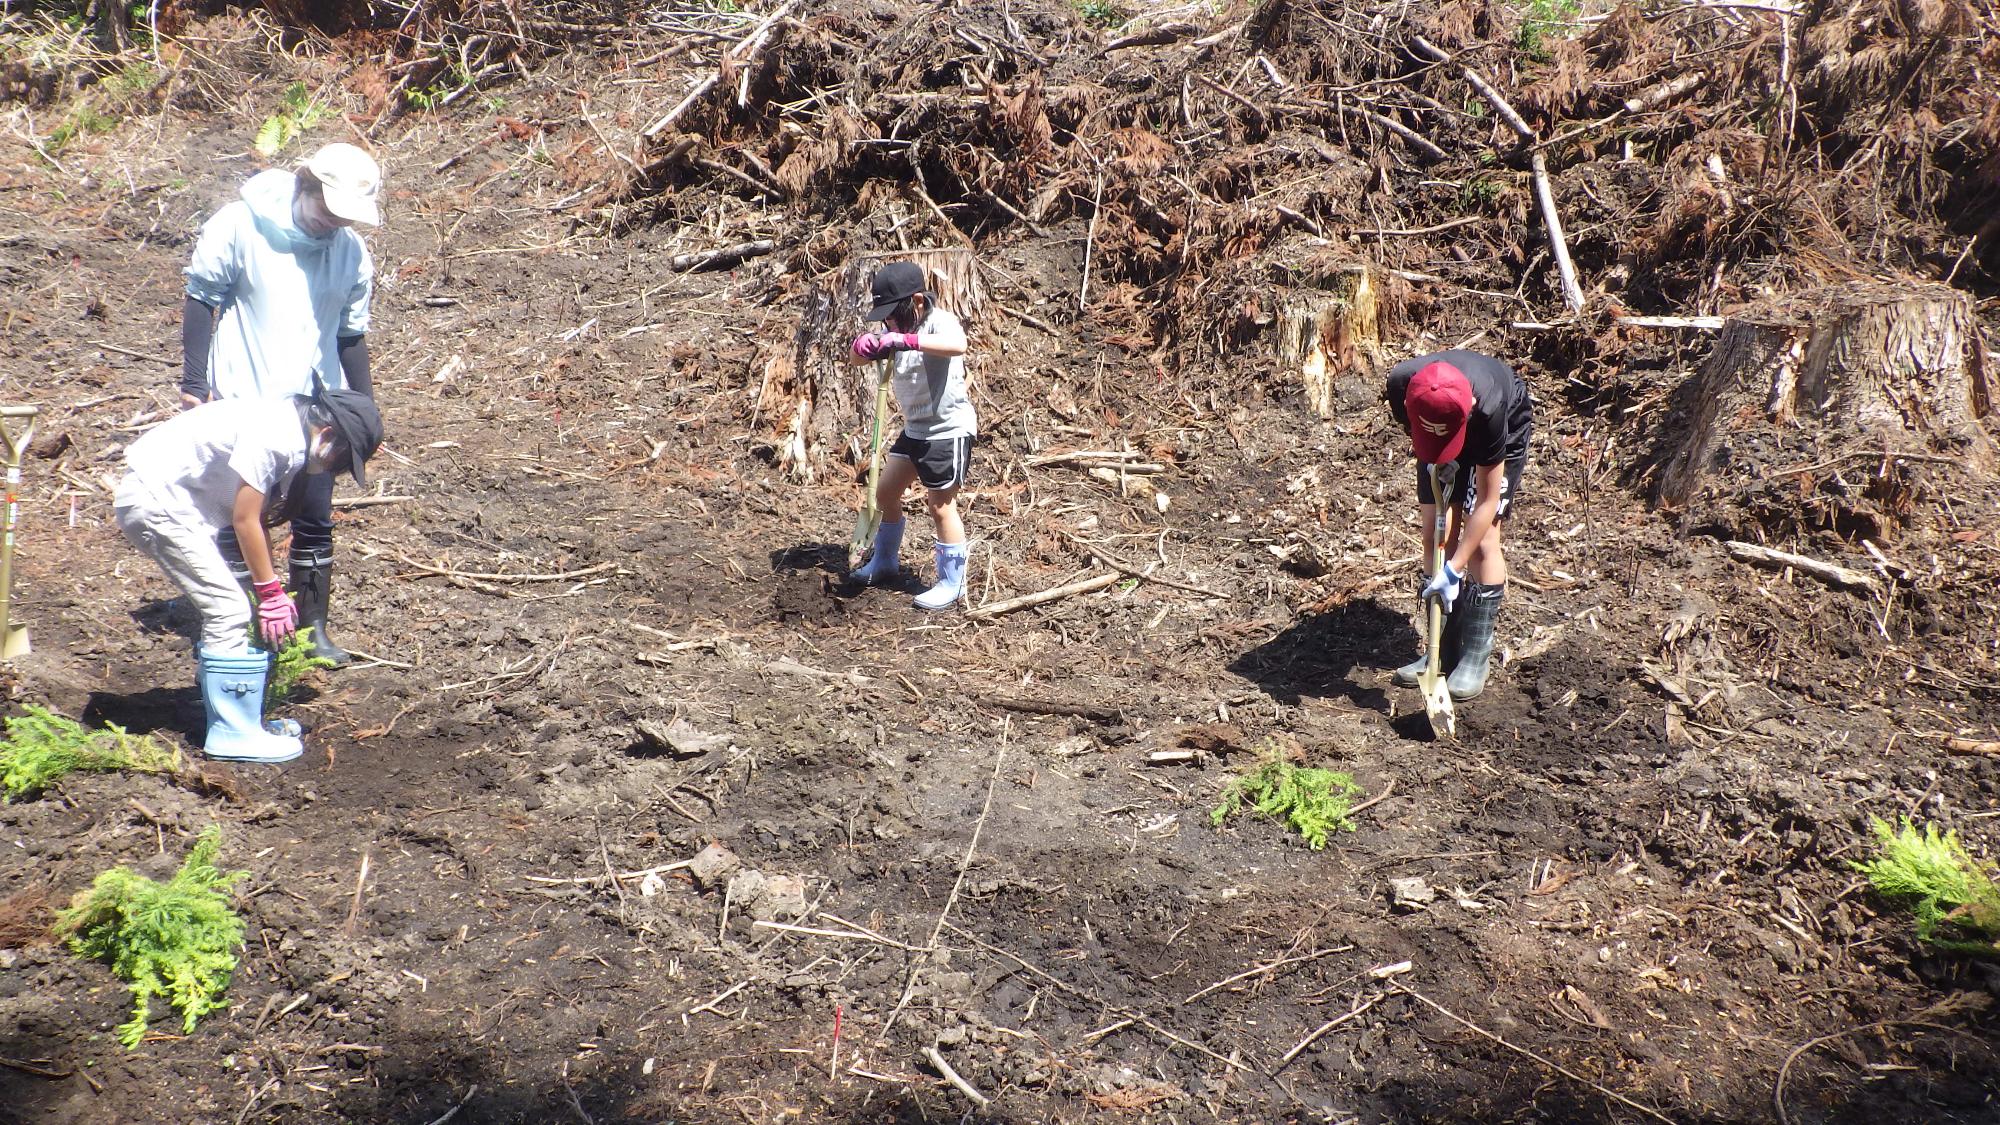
(13, 638)
(871, 512)
(1437, 695)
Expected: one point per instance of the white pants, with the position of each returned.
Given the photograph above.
(184, 545)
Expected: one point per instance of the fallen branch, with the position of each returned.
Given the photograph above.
(1152, 37)
(1705, 323)
(1322, 1029)
(951, 1076)
(1410, 136)
(851, 935)
(1113, 456)
(737, 58)
(1785, 1070)
(1043, 597)
(1032, 322)
(475, 576)
(721, 256)
(1265, 970)
(453, 1111)
(370, 501)
(1127, 568)
(602, 880)
(1401, 232)
(1829, 573)
(1478, 82)
(1558, 245)
(1971, 746)
(1544, 194)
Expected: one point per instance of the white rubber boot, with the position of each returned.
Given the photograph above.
(951, 578)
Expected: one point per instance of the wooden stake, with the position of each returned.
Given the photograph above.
(354, 910)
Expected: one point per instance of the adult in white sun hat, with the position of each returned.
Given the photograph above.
(277, 305)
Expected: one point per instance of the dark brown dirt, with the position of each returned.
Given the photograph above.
(1640, 839)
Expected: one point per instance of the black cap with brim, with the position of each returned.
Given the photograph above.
(895, 283)
(359, 426)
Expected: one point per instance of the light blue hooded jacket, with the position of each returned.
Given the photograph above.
(285, 298)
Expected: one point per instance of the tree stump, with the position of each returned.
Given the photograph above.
(821, 404)
(1802, 394)
(1331, 330)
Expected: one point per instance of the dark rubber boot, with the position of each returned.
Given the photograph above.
(312, 580)
(1478, 607)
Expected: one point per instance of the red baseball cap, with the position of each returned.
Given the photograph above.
(1438, 401)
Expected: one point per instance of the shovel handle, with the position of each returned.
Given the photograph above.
(14, 443)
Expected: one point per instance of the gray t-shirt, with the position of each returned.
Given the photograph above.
(930, 389)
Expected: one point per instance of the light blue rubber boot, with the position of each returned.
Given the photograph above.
(951, 578)
(232, 693)
(882, 564)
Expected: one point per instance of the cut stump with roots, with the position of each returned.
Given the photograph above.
(1800, 389)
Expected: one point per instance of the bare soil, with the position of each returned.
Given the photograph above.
(1639, 841)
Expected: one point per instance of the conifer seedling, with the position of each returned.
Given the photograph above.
(1312, 802)
(42, 747)
(1931, 874)
(295, 661)
(176, 939)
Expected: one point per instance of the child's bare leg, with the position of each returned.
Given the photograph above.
(943, 503)
(898, 474)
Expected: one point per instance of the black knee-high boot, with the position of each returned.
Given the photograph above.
(312, 565)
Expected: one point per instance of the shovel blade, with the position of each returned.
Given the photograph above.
(15, 643)
(864, 534)
(1437, 706)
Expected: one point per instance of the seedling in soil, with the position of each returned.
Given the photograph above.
(43, 747)
(294, 663)
(1312, 802)
(176, 940)
(1103, 13)
(299, 111)
(1948, 890)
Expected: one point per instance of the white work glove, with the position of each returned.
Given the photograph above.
(1444, 587)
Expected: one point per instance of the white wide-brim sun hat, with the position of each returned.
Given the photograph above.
(350, 181)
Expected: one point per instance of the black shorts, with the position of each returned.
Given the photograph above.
(941, 464)
(1465, 490)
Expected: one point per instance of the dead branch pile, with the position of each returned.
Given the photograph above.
(1669, 155)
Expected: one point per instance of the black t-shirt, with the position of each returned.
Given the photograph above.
(1503, 416)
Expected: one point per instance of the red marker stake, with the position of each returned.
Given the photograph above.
(833, 1065)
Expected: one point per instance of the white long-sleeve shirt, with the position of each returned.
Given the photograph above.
(286, 299)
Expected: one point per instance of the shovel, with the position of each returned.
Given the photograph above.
(1437, 696)
(13, 638)
(871, 512)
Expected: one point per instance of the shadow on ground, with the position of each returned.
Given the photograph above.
(1344, 653)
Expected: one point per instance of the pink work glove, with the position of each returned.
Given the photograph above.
(277, 617)
(877, 345)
